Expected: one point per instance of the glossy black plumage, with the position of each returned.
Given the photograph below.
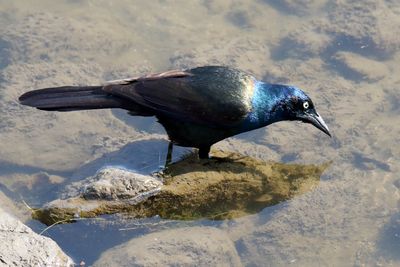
(197, 107)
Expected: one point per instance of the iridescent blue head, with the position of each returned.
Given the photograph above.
(275, 102)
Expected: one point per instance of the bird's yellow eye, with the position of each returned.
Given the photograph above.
(306, 105)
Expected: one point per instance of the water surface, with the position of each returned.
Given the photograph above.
(344, 55)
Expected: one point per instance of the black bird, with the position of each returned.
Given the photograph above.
(197, 107)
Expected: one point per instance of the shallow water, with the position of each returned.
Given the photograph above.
(344, 55)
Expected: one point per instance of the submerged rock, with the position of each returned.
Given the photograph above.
(188, 246)
(229, 185)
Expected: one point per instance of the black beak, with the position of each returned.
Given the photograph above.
(315, 119)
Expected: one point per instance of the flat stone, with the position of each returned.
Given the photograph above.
(227, 186)
(189, 246)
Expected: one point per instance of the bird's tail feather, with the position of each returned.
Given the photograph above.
(69, 98)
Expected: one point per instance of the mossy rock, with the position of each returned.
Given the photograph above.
(227, 186)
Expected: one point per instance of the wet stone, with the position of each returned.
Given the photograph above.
(113, 183)
(227, 186)
(187, 246)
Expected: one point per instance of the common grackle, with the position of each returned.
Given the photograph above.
(197, 107)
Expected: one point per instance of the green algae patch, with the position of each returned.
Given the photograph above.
(227, 186)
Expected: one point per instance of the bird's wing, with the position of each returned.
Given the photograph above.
(149, 77)
(205, 96)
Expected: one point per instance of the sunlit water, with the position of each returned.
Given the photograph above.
(344, 55)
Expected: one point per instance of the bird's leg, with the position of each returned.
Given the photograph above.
(203, 152)
(169, 154)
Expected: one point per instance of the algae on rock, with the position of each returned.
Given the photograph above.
(227, 186)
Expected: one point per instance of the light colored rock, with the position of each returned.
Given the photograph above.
(110, 190)
(20, 246)
(114, 183)
(192, 246)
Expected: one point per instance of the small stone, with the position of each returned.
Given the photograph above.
(114, 183)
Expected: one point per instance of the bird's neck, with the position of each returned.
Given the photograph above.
(266, 104)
